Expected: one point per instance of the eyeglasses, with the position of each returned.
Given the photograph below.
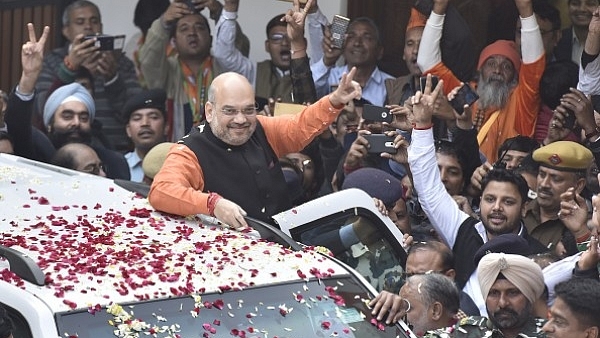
(231, 111)
(278, 38)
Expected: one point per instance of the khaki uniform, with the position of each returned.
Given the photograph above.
(482, 327)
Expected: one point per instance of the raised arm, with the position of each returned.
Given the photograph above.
(442, 211)
(589, 69)
(20, 105)
(224, 50)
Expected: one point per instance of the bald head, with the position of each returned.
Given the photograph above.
(80, 157)
(231, 82)
(230, 109)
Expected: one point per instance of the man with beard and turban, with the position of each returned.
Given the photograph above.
(508, 86)
(510, 284)
(68, 114)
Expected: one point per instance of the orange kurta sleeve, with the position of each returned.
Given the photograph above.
(444, 73)
(177, 188)
(291, 133)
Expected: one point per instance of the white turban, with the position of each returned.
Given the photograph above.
(524, 273)
(70, 92)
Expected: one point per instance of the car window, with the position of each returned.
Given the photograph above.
(317, 308)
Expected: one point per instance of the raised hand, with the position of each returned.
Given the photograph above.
(176, 10)
(32, 57)
(295, 19)
(573, 212)
(347, 90)
(423, 103)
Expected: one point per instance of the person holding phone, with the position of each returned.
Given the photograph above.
(362, 49)
(114, 74)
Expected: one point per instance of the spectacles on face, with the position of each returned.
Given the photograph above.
(278, 38)
(231, 111)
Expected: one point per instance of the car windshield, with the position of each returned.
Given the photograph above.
(333, 307)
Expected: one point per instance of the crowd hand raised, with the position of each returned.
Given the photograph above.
(295, 19)
(402, 117)
(423, 103)
(82, 51)
(478, 175)
(347, 90)
(582, 107)
(107, 64)
(380, 206)
(573, 212)
(591, 257)
(442, 108)
(401, 145)
(388, 303)
(176, 10)
(230, 214)
(358, 150)
(330, 53)
(32, 57)
(556, 129)
(464, 121)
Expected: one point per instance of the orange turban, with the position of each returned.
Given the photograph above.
(505, 48)
(416, 19)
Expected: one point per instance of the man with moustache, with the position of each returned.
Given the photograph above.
(563, 165)
(186, 75)
(502, 203)
(571, 44)
(511, 284)
(113, 74)
(68, 115)
(508, 86)
(146, 127)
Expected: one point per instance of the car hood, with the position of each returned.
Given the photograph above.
(98, 244)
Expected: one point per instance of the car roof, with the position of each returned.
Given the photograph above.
(98, 243)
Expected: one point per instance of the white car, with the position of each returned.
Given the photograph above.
(87, 258)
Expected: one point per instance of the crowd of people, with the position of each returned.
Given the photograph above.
(498, 192)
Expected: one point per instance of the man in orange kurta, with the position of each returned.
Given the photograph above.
(497, 117)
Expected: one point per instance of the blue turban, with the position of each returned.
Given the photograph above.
(67, 93)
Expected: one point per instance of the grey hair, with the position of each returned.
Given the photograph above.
(75, 5)
(435, 287)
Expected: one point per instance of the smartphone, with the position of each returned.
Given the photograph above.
(423, 82)
(569, 119)
(376, 113)
(339, 27)
(466, 95)
(380, 143)
(107, 42)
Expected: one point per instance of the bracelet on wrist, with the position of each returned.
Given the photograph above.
(583, 238)
(211, 203)
(595, 133)
(292, 51)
